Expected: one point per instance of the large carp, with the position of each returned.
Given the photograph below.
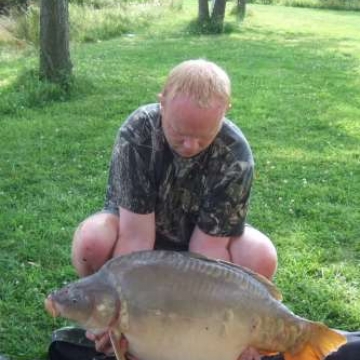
(180, 306)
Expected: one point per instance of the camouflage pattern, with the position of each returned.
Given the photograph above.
(210, 190)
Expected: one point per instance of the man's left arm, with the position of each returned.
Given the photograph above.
(215, 247)
(223, 212)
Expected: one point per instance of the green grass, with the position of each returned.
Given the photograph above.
(319, 4)
(296, 96)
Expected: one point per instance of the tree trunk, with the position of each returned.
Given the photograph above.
(218, 15)
(204, 15)
(55, 63)
(241, 8)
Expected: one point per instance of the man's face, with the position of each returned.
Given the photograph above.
(189, 128)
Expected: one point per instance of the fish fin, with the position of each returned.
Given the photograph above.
(322, 342)
(270, 286)
(268, 353)
(195, 255)
(115, 342)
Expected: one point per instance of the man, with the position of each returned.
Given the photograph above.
(180, 178)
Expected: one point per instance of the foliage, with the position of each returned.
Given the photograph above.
(105, 23)
(110, 3)
(295, 75)
(26, 25)
(7, 6)
(96, 21)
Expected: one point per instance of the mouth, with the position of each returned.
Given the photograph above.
(50, 307)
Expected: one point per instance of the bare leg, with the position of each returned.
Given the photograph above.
(94, 241)
(254, 250)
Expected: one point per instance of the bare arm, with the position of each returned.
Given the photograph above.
(136, 232)
(215, 247)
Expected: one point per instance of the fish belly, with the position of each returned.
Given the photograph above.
(171, 337)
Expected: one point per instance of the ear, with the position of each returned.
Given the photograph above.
(161, 99)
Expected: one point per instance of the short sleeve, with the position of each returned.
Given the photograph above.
(225, 204)
(130, 182)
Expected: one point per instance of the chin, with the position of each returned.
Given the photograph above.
(187, 155)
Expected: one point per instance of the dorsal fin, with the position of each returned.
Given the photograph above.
(270, 286)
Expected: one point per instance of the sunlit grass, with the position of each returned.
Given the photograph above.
(329, 4)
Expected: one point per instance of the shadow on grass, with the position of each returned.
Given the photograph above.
(194, 28)
(27, 91)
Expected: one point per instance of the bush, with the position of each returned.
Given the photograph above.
(27, 25)
(97, 20)
(97, 4)
(6, 6)
(90, 24)
(20, 27)
(109, 3)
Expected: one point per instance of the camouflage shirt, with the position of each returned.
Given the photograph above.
(211, 189)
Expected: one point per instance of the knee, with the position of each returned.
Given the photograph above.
(255, 251)
(93, 242)
(267, 260)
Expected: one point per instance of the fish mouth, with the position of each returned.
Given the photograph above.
(51, 307)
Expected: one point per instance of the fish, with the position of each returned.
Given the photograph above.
(179, 305)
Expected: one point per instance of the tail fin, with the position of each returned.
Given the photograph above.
(321, 343)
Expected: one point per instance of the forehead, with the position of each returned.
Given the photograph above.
(188, 117)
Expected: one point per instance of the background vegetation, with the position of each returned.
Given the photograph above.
(93, 20)
(296, 96)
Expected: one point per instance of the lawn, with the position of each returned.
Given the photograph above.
(296, 95)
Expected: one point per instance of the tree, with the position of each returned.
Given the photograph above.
(218, 15)
(204, 14)
(213, 22)
(55, 63)
(241, 8)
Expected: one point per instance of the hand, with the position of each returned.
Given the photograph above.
(249, 354)
(103, 344)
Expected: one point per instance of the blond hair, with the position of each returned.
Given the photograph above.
(199, 79)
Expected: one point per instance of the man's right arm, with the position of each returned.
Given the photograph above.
(136, 232)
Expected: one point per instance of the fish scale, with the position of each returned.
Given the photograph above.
(202, 266)
(176, 306)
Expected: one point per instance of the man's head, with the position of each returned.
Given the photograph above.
(193, 103)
